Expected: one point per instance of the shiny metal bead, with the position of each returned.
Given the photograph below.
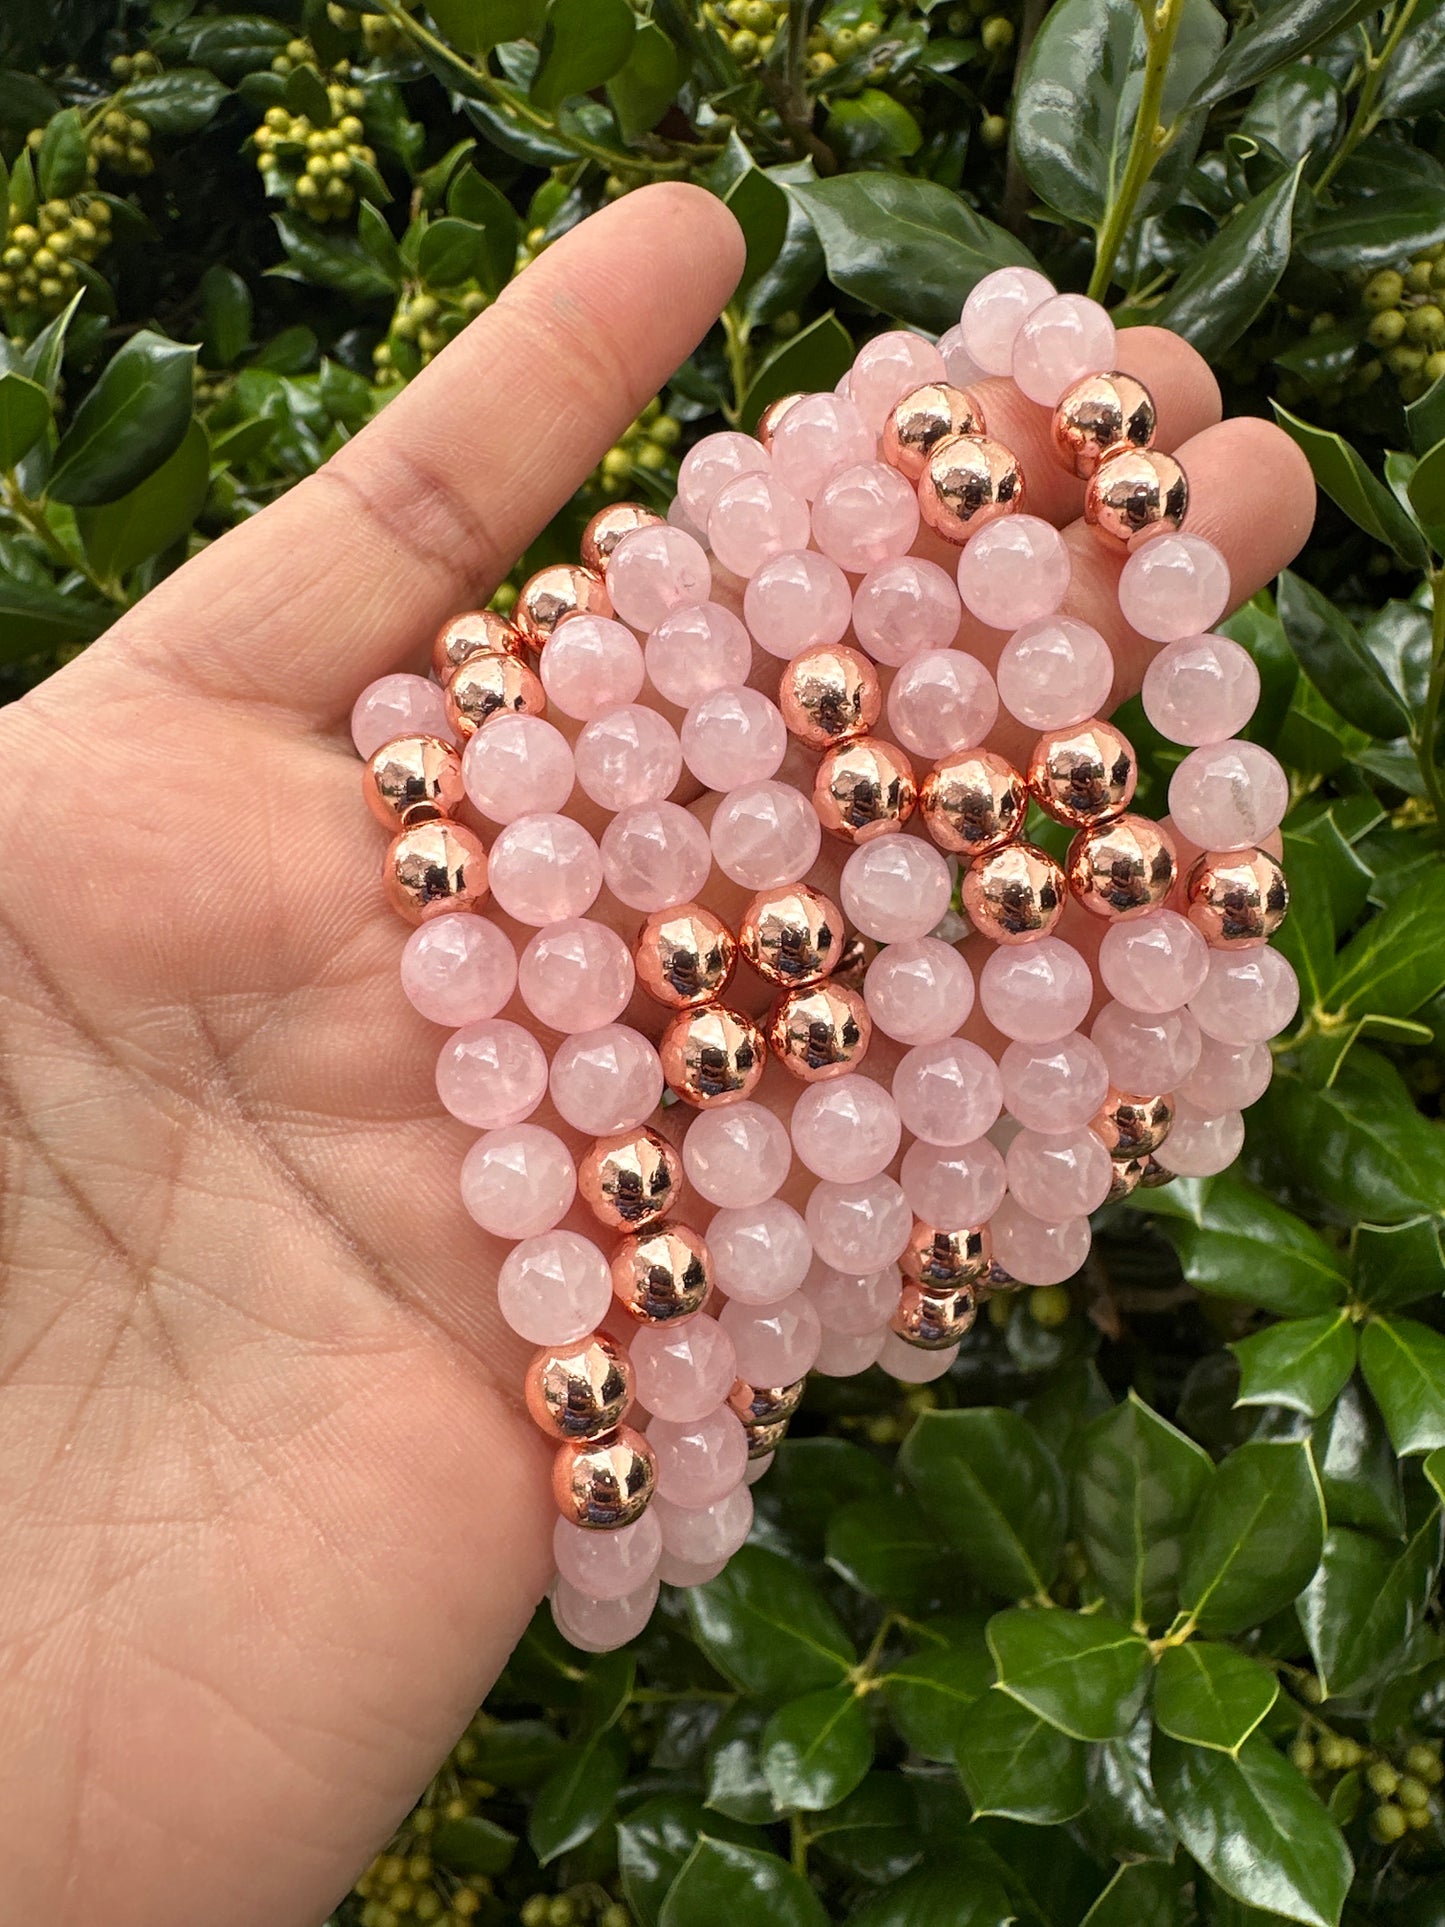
(772, 415)
(607, 528)
(630, 1180)
(1237, 898)
(684, 956)
(932, 1321)
(765, 1404)
(973, 802)
(553, 594)
(1127, 1173)
(829, 694)
(433, 868)
(1100, 416)
(969, 481)
(1014, 894)
(864, 788)
(1084, 773)
(492, 685)
(713, 1055)
(820, 1031)
(412, 779)
(1133, 494)
(1153, 1176)
(852, 965)
(764, 1440)
(579, 1391)
(1121, 868)
(607, 1484)
(925, 417)
(1131, 1126)
(662, 1273)
(476, 632)
(792, 935)
(942, 1260)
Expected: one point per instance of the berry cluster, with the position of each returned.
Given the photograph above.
(582, 1907)
(39, 269)
(648, 445)
(1404, 1787)
(313, 166)
(1407, 320)
(421, 326)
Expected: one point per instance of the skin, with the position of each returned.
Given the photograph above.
(273, 1513)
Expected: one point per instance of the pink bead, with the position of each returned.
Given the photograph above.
(918, 992)
(889, 367)
(601, 1625)
(758, 1468)
(958, 1186)
(853, 1302)
(544, 868)
(655, 855)
(1198, 1145)
(909, 1365)
(864, 516)
(733, 736)
(458, 969)
(859, 1227)
(1200, 689)
(1054, 672)
(797, 600)
(518, 1182)
(1037, 991)
(608, 1564)
(395, 706)
(575, 976)
(845, 1354)
(517, 766)
(766, 834)
(1037, 1251)
(941, 701)
(760, 1252)
(754, 518)
(1153, 963)
(701, 1535)
(709, 465)
(1229, 796)
(776, 1344)
(1146, 1052)
(1014, 571)
(739, 1155)
(678, 518)
(895, 888)
(630, 755)
(1245, 999)
(1174, 586)
(948, 1093)
(846, 1129)
(591, 664)
(963, 370)
(1054, 1086)
(554, 1289)
(699, 1461)
(682, 1573)
(819, 435)
(697, 649)
(654, 571)
(606, 1080)
(996, 308)
(904, 607)
(491, 1074)
(1062, 340)
(1228, 1077)
(1058, 1174)
(684, 1370)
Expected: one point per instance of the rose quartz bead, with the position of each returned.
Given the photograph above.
(606, 1080)
(996, 308)
(819, 435)
(760, 1252)
(601, 1625)
(918, 992)
(655, 854)
(1014, 571)
(517, 766)
(948, 1093)
(699, 1461)
(895, 888)
(683, 1370)
(704, 1534)
(654, 571)
(591, 664)
(733, 736)
(846, 1129)
(544, 868)
(1245, 999)
(608, 1565)
(1146, 1051)
(859, 1227)
(1061, 341)
(554, 1289)
(739, 1155)
(1054, 1086)
(853, 1302)
(458, 969)
(798, 600)
(864, 516)
(1153, 963)
(491, 1074)
(682, 1573)
(766, 834)
(576, 975)
(963, 370)
(1201, 689)
(709, 465)
(758, 1468)
(1228, 1077)
(909, 1365)
(395, 706)
(630, 755)
(776, 1344)
(754, 518)
(1034, 992)
(1229, 796)
(1058, 1174)
(889, 367)
(941, 701)
(904, 607)
(957, 1186)
(678, 518)
(1038, 1251)
(1199, 1145)
(518, 1182)
(1054, 672)
(697, 649)
(1174, 586)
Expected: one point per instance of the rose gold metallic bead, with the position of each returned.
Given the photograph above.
(579, 1391)
(792, 935)
(684, 956)
(551, 595)
(973, 802)
(765, 1404)
(864, 788)
(630, 1180)
(1152, 1175)
(772, 415)
(1133, 494)
(764, 1440)
(970, 481)
(493, 685)
(1131, 1126)
(852, 966)
(934, 1320)
(605, 1485)
(412, 780)
(1014, 894)
(1083, 774)
(1237, 898)
(607, 528)
(942, 1260)
(712, 1056)
(820, 1032)
(435, 867)
(1127, 1173)
(1122, 868)
(829, 694)
(476, 632)
(662, 1273)
(922, 420)
(1098, 417)
(998, 1279)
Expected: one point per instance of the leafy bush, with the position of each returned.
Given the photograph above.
(1154, 1569)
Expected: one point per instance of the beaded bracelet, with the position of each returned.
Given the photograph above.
(800, 541)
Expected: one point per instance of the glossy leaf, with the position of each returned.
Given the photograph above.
(1404, 1367)
(873, 1832)
(584, 43)
(993, 1490)
(733, 1776)
(816, 1749)
(155, 514)
(452, 251)
(722, 1883)
(578, 1795)
(1359, 1474)
(472, 1844)
(1397, 1264)
(1124, 1819)
(180, 101)
(1426, 416)
(1301, 1363)
(135, 416)
(1426, 490)
(1137, 1482)
(654, 1841)
(24, 412)
(1256, 1538)
(1234, 1241)
(473, 29)
(1272, 39)
(1225, 286)
(764, 1625)
(332, 261)
(812, 360)
(871, 128)
(645, 86)
(760, 208)
(1085, 1673)
(1397, 962)
(1016, 1764)
(515, 1753)
(1144, 1895)
(36, 620)
(1360, 1146)
(1210, 1695)
(939, 1894)
(474, 198)
(1366, 1603)
(61, 160)
(1375, 230)
(928, 1691)
(885, 1546)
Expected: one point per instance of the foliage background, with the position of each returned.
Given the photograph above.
(1132, 1619)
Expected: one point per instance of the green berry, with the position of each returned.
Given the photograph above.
(562, 1912)
(535, 1910)
(1405, 361)
(993, 130)
(1383, 290)
(1302, 1755)
(1331, 1753)
(1417, 277)
(1387, 1824)
(1424, 1762)
(997, 34)
(1426, 325)
(1412, 1792)
(1381, 1778)
(1387, 328)
(1049, 1306)
(614, 1916)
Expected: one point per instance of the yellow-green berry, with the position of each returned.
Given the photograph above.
(1049, 1306)
(1387, 1824)
(1302, 1756)
(1387, 328)
(1383, 290)
(993, 130)
(1412, 1792)
(997, 33)
(1381, 1778)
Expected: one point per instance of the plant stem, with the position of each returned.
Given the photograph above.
(1429, 730)
(1147, 145)
(736, 331)
(798, 1839)
(1366, 116)
(32, 517)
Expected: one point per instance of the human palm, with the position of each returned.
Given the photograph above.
(273, 1515)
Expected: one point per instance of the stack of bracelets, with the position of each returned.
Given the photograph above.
(800, 542)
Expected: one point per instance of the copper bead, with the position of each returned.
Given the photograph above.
(1133, 494)
(933, 1320)
(1237, 898)
(684, 956)
(852, 965)
(925, 417)
(432, 868)
(630, 1180)
(970, 481)
(553, 594)
(864, 789)
(942, 1260)
(792, 935)
(772, 415)
(973, 802)
(412, 779)
(1099, 416)
(1126, 1175)
(488, 685)
(1014, 894)
(607, 1484)
(1152, 1174)
(712, 1056)
(476, 632)
(1122, 868)
(765, 1404)
(579, 1391)
(1130, 1126)
(1083, 774)
(828, 694)
(607, 528)
(764, 1440)
(820, 1032)
(662, 1273)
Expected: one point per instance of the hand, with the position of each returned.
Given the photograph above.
(273, 1515)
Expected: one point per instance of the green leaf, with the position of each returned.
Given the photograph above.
(1301, 1363)
(1426, 417)
(451, 251)
(760, 208)
(816, 1749)
(61, 163)
(1085, 1673)
(1396, 1264)
(1397, 962)
(765, 1627)
(885, 1546)
(1016, 1764)
(810, 361)
(871, 128)
(654, 1841)
(578, 1795)
(1224, 287)
(734, 1770)
(154, 514)
(991, 1486)
(476, 26)
(306, 95)
(721, 1884)
(474, 198)
(1234, 1242)
(907, 247)
(1144, 1895)
(874, 1831)
(584, 43)
(1426, 490)
(1434, 1469)
(46, 353)
(1211, 1695)
(472, 1844)
(1404, 1366)
(24, 413)
(1375, 230)
(1256, 1828)
(1359, 1474)
(1124, 1819)
(135, 416)
(1341, 472)
(331, 261)
(927, 1692)
(1271, 40)
(940, 1893)
(1137, 1482)
(35, 620)
(1366, 1603)
(515, 1753)
(1361, 1146)
(181, 101)
(645, 86)
(1256, 1538)
(226, 316)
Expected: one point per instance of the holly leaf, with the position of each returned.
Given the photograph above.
(1085, 1673)
(1211, 1695)
(816, 1750)
(993, 1489)
(1366, 1603)
(1256, 1538)
(1016, 1764)
(1301, 1363)
(1404, 1367)
(766, 1627)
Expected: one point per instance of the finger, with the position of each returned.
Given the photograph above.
(424, 512)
